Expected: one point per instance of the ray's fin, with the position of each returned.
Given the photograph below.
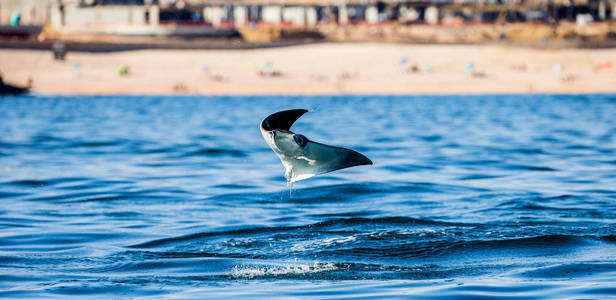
(282, 120)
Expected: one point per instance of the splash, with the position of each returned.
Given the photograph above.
(290, 188)
(274, 271)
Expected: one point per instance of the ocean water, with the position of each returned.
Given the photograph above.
(180, 197)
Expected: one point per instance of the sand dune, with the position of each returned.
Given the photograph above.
(320, 69)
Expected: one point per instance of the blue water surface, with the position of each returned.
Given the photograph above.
(180, 197)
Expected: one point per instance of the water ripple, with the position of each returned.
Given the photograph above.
(179, 197)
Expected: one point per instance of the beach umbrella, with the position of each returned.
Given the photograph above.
(469, 68)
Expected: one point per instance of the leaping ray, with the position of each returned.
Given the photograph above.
(301, 157)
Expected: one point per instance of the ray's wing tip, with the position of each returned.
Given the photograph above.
(283, 119)
(302, 111)
(362, 160)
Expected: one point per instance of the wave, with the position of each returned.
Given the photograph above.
(349, 223)
(42, 182)
(387, 247)
(285, 271)
(342, 192)
(521, 167)
(574, 270)
(216, 152)
(93, 144)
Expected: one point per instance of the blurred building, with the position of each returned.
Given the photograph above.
(199, 17)
(28, 11)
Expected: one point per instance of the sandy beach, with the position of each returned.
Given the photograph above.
(328, 68)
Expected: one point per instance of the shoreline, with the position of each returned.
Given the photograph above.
(319, 69)
(44, 95)
(86, 46)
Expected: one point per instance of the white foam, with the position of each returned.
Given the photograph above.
(319, 244)
(252, 271)
(338, 240)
